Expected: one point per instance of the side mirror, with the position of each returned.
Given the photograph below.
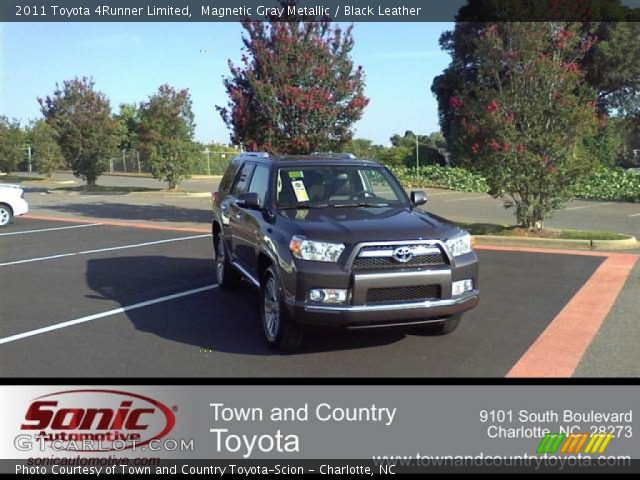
(418, 197)
(249, 200)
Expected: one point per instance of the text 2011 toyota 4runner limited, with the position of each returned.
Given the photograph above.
(334, 241)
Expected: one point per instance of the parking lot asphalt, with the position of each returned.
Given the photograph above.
(100, 300)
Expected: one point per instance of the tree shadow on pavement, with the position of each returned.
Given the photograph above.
(124, 211)
(214, 320)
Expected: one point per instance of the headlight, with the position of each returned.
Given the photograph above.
(459, 245)
(316, 251)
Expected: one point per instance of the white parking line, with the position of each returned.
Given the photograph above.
(49, 229)
(108, 313)
(87, 252)
(589, 206)
(635, 215)
(483, 197)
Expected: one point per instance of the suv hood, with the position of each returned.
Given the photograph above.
(358, 224)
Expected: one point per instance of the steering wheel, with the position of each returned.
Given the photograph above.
(359, 194)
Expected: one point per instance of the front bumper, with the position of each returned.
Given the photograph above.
(357, 313)
(372, 316)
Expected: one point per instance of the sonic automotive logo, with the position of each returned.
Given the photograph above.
(97, 420)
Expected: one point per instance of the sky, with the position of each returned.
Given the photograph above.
(129, 61)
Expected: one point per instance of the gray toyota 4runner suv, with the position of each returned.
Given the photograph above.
(334, 241)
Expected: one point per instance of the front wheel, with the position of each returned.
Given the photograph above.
(444, 327)
(280, 330)
(6, 215)
(449, 325)
(227, 276)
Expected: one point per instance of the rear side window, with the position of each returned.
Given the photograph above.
(242, 184)
(227, 179)
(260, 183)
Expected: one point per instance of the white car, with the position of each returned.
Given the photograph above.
(12, 203)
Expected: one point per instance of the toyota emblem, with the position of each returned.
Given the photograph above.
(402, 254)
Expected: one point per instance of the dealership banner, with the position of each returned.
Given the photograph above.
(319, 429)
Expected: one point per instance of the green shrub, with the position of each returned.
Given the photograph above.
(605, 184)
(453, 178)
(610, 184)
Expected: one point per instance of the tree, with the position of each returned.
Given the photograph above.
(526, 121)
(12, 144)
(166, 134)
(45, 148)
(86, 131)
(429, 148)
(610, 64)
(297, 90)
(364, 148)
(129, 126)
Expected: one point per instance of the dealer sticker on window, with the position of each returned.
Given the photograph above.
(300, 190)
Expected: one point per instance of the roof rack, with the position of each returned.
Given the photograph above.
(335, 156)
(254, 154)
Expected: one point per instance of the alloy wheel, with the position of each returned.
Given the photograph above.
(271, 308)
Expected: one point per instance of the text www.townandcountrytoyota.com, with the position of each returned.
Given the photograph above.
(507, 461)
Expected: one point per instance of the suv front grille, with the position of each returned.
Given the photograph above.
(371, 263)
(403, 294)
(367, 258)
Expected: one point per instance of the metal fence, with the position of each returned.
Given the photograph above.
(206, 162)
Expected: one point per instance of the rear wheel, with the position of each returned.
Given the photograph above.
(228, 277)
(6, 215)
(280, 330)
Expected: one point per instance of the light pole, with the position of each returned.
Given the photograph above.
(417, 155)
(28, 147)
(207, 151)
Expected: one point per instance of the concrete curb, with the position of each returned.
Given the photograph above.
(626, 243)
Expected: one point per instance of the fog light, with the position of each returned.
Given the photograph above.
(328, 295)
(461, 287)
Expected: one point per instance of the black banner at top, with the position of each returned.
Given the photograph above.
(318, 10)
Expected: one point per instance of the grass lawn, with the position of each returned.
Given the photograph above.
(513, 231)
(19, 178)
(105, 190)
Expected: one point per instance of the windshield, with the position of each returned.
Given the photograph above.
(337, 186)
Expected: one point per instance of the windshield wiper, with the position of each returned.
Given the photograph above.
(359, 204)
(304, 205)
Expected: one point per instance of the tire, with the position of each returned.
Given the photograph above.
(447, 326)
(280, 330)
(227, 276)
(6, 215)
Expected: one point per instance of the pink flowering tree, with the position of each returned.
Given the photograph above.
(296, 91)
(525, 122)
